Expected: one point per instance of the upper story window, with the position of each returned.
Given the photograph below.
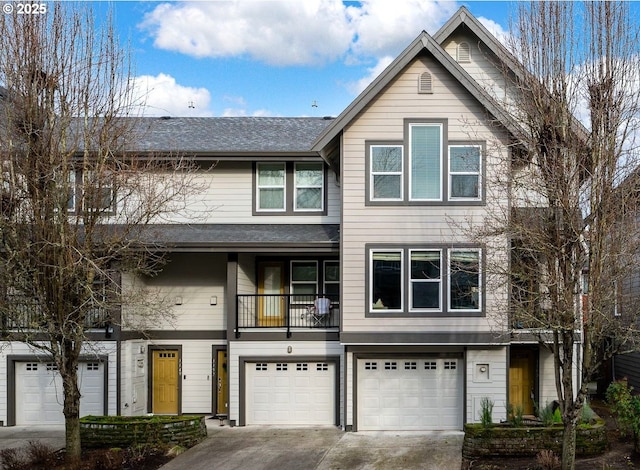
(425, 280)
(425, 159)
(425, 168)
(464, 172)
(97, 191)
(386, 172)
(289, 188)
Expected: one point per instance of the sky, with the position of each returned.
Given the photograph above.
(285, 58)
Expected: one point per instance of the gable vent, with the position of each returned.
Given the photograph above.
(464, 52)
(425, 83)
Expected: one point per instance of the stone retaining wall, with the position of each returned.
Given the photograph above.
(123, 432)
(505, 440)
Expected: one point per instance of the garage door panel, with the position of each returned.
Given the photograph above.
(39, 393)
(301, 393)
(409, 394)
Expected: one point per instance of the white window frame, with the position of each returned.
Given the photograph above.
(73, 192)
(371, 302)
(372, 173)
(465, 173)
(439, 281)
(450, 251)
(259, 187)
(412, 126)
(297, 186)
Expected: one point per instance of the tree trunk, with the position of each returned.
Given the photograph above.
(569, 445)
(71, 410)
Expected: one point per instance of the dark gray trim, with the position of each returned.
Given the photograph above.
(163, 347)
(11, 378)
(426, 338)
(244, 360)
(389, 353)
(267, 334)
(214, 373)
(175, 334)
(231, 294)
(289, 188)
(444, 311)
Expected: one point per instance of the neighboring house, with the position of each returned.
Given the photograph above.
(370, 210)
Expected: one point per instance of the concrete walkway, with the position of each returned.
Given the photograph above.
(321, 448)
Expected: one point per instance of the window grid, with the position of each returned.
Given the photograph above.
(370, 366)
(271, 180)
(391, 365)
(304, 280)
(322, 366)
(410, 365)
(281, 366)
(261, 366)
(450, 365)
(302, 366)
(425, 273)
(386, 163)
(430, 365)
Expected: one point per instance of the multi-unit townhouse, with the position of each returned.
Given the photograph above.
(330, 274)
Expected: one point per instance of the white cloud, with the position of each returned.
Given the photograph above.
(501, 34)
(287, 32)
(162, 96)
(358, 86)
(385, 28)
(275, 32)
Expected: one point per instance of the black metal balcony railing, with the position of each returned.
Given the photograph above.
(27, 315)
(290, 311)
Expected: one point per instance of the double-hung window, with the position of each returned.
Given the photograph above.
(304, 280)
(464, 172)
(332, 280)
(425, 280)
(309, 182)
(386, 172)
(97, 191)
(271, 188)
(289, 188)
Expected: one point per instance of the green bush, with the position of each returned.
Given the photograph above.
(549, 416)
(515, 415)
(486, 413)
(625, 407)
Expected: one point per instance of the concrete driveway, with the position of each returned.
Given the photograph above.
(323, 448)
(275, 448)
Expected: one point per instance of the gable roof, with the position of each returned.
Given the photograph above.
(423, 42)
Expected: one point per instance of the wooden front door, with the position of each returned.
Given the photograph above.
(521, 380)
(165, 382)
(222, 395)
(271, 304)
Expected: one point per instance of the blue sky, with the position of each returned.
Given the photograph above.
(272, 57)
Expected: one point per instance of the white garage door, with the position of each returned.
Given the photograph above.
(296, 393)
(409, 394)
(39, 395)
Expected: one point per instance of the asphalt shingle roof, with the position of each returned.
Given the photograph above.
(230, 135)
(238, 236)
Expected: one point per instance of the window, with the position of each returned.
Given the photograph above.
(464, 172)
(425, 147)
(309, 182)
(271, 186)
(97, 191)
(386, 280)
(289, 188)
(71, 194)
(425, 279)
(433, 280)
(386, 172)
(425, 168)
(304, 279)
(332, 280)
(464, 280)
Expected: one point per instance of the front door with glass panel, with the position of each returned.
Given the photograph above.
(271, 306)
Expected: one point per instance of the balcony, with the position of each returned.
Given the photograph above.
(27, 316)
(285, 311)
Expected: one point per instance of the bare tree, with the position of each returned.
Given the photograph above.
(568, 220)
(75, 200)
